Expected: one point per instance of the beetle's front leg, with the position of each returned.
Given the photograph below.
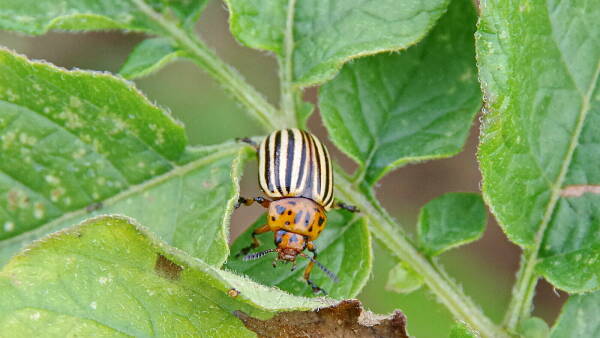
(255, 242)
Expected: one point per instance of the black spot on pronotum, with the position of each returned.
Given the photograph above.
(280, 210)
(166, 268)
(272, 218)
(289, 212)
(310, 229)
(321, 220)
(287, 223)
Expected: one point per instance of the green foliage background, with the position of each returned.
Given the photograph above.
(162, 173)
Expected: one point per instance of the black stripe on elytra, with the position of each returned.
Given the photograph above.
(277, 158)
(318, 171)
(267, 158)
(326, 196)
(290, 160)
(310, 172)
(302, 160)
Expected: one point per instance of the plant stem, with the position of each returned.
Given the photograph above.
(523, 292)
(386, 231)
(231, 79)
(288, 92)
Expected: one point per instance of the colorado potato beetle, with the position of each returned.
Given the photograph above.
(295, 172)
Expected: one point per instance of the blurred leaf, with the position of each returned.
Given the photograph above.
(74, 141)
(539, 66)
(388, 110)
(534, 327)
(111, 277)
(579, 317)
(451, 220)
(328, 34)
(148, 57)
(344, 248)
(403, 279)
(461, 330)
(39, 16)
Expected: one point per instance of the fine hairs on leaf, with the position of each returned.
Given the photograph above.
(80, 149)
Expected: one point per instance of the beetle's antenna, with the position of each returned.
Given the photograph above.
(322, 267)
(257, 255)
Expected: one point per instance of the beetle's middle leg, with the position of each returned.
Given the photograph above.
(342, 205)
(248, 201)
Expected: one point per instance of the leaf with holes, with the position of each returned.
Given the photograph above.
(314, 38)
(74, 143)
(451, 220)
(40, 16)
(388, 110)
(539, 66)
(344, 247)
(579, 317)
(111, 277)
(150, 56)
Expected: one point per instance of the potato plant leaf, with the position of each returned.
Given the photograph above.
(112, 277)
(149, 56)
(461, 330)
(539, 66)
(39, 16)
(403, 279)
(451, 220)
(75, 142)
(579, 317)
(534, 327)
(388, 110)
(326, 34)
(344, 247)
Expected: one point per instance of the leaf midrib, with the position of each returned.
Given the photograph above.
(133, 189)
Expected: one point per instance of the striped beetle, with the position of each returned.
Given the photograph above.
(295, 172)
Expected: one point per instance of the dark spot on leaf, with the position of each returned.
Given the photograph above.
(166, 268)
(345, 319)
(233, 293)
(280, 210)
(321, 220)
(94, 206)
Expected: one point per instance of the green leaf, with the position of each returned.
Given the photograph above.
(403, 279)
(388, 110)
(539, 68)
(112, 277)
(344, 248)
(39, 16)
(324, 35)
(579, 317)
(73, 141)
(451, 220)
(534, 327)
(149, 56)
(461, 330)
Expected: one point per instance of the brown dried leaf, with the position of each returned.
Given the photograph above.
(345, 319)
